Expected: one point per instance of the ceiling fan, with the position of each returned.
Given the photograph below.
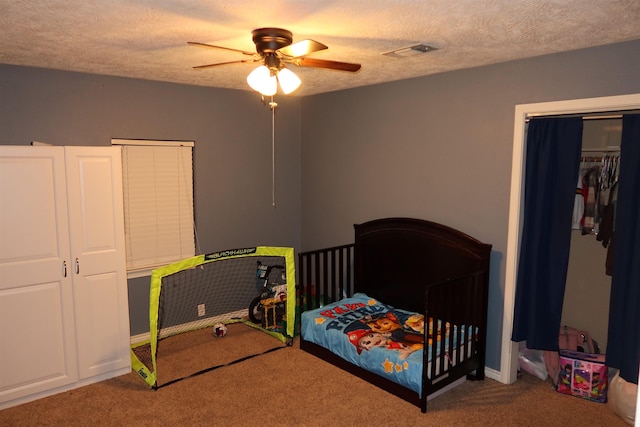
(274, 49)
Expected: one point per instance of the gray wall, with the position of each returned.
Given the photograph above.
(439, 148)
(232, 156)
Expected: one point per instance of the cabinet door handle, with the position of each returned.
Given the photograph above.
(64, 268)
(77, 266)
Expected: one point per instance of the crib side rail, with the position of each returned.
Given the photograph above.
(461, 302)
(325, 275)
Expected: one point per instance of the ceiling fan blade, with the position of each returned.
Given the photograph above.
(244, 52)
(302, 48)
(198, 67)
(324, 63)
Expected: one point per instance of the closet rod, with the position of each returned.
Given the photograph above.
(600, 150)
(593, 117)
(610, 117)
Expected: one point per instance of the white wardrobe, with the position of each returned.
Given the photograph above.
(64, 317)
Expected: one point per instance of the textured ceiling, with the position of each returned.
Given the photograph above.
(148, 38)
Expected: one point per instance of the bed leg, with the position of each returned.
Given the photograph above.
(477, 375)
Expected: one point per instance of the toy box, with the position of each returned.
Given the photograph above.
(583, 375)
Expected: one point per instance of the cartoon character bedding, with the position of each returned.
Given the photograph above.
(380, 338)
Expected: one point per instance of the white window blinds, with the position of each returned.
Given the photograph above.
(158, 202)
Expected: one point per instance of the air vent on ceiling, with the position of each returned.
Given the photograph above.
(412, 50)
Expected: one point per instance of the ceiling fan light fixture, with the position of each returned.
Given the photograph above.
(274, 46)
(262, 81)
(288, 80)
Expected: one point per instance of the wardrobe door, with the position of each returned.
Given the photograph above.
(96, 222)
(37, 336)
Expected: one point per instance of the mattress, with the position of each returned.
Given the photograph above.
(380, 338)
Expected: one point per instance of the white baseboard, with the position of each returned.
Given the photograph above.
(493, 374)
(80, 383)
(451, 386)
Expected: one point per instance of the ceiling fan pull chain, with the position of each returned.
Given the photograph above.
(273, 106)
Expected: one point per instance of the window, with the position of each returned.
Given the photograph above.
(158, 203)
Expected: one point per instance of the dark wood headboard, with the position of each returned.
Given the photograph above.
(397, 258)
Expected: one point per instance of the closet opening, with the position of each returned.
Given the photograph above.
(588, 285)
(585, 108)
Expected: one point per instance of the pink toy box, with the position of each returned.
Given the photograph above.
(583, 375)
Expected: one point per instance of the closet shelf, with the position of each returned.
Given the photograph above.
(601, 150)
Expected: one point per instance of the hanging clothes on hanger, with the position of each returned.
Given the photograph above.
(595, 200)
(607, 228)
(578, 205)
(609, 196)
(586, 162)
(590, 188)
(596, 178)
(608, 177)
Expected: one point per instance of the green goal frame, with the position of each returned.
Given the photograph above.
(150, 375)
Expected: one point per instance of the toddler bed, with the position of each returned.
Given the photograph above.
(404, 307)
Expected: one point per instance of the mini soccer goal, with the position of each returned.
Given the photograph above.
(200, 307)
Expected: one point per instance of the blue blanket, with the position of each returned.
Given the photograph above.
(374, 336)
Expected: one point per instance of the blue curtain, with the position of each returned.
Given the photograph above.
(552, 166)
(623, 340)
